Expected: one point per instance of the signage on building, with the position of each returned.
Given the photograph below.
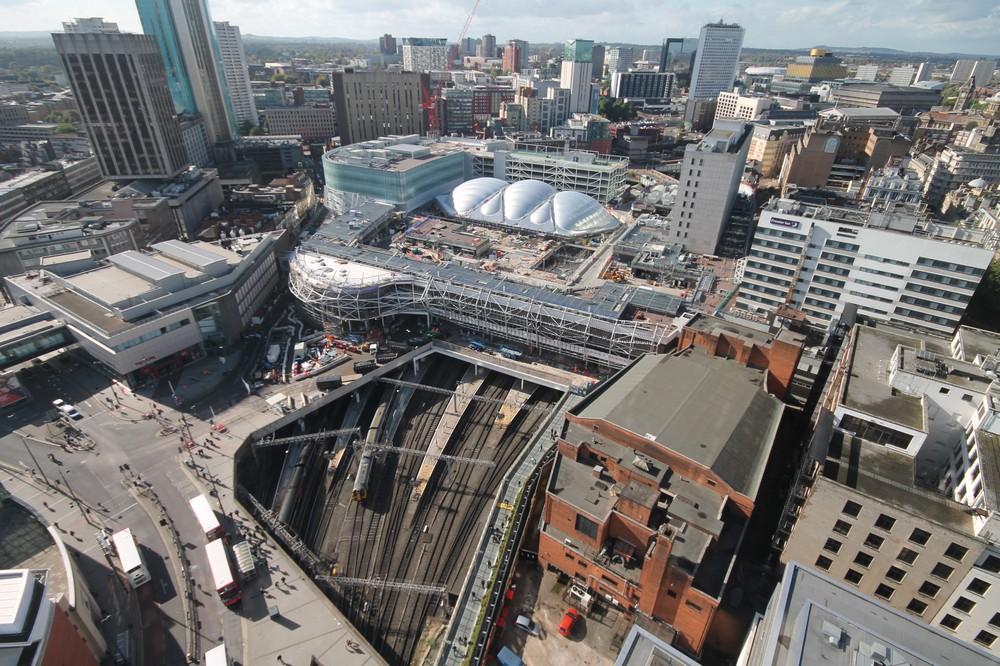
(780, 222)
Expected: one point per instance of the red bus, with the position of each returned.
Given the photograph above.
(222, 573)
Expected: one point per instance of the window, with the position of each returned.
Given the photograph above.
(672, 594)
(916, 606)
(964, 604)
(895, 573)
(978, 586)
(966, 397)
(842, 527)
(944, 390)
(832, 545)
(950, 622)
(693, 606)
(995, 620)
(586, 526)
(956, 552)
(874, 541)
(907, 555)
(852, 508)
(853, 576)
(985, 638)
(885, 522)
(824, 562)
(991, 563)
(919, 536)
(863, 558)
(884, 591)
(929, 589)
(942, 571)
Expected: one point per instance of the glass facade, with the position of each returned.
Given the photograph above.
(579, 50)
(409, 188)
(157, 20)
(23, 350)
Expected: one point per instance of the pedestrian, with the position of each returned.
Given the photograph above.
(280, 660)
(284, 581)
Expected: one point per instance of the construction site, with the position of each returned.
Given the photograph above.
(386, 489)
(601, 298)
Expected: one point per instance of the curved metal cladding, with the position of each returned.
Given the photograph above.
(529, 205)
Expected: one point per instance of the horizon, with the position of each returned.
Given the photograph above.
(967, 27)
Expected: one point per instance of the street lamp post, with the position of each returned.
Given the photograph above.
(40, 470)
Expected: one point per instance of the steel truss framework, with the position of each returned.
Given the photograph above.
(518, 317)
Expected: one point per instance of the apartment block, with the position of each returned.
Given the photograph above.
(954, 167)
(312, 123)
(887, 265)
(654, 484)
(710, 176)
(423, 54)
(374, 104)
(234, 69)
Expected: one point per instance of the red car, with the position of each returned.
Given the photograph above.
(569, 621)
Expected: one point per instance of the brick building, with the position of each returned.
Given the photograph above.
(654, 484)
(778, 353)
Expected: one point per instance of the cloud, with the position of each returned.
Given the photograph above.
(916, 25)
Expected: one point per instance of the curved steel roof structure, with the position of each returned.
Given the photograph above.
(528, 205)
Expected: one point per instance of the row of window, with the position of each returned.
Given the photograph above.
(938, 293)
(950, 266)
(771, 269)
(943, 279)
(155, 333)
(875, 271)
(923, 316)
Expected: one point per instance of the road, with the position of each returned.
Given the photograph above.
(127, 446)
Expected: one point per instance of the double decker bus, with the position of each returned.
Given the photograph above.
(206, 517)
(222, 573)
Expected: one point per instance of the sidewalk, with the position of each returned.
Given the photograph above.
(308, 627)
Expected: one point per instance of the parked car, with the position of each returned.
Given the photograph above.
(67, 409)
(569, 622)
(527, 624)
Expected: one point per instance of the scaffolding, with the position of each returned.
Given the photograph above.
(538, 318)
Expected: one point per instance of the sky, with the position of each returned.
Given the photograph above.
(968, 26)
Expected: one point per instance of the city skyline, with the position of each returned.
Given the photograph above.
(969, 26)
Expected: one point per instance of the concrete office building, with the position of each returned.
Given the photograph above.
(576, 73)
(58, 180)
(619, 59)
(954, 167)
(190, 52)
(819, 65)
(190, 197)
(980, 70)
(458, 117)
(387, 44)
(234, 68)
(715, 62)
(745, 107)
(814, 618)
(313, 123)
(710, 176)
(423, 54)
(194, 136)
(487, 47)
(642, 85)
(905, 101)
(148, 313)
(59, 234)
(892, 184)
(13, 114)
(374, 104)
(770, 142)
(121, 91)
(925, 72)
(819, 259)
(866, 73)
(597, 61)
(638, 509)
(901, 76)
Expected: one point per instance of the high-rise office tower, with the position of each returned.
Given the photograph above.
(597, 61)
(714, 70)
(374, 104)
(121, 90)
(487, 47)
(422, 54)
(387, 44)
(901, 76)
(620, 59)
(925, 72)
(672, 47)
(234, 68)
(577, 67)
(183, 31)
(515, 56)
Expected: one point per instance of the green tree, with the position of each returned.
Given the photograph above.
(278, 78)
(323, 80)
(65, 128)
(256, 131)
(615, 110)
(246, 127)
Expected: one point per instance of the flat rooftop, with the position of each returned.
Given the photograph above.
(643, 648)
(813, 619)
(888, 475)
(867, 387)
(712, 410)
(716, 326)
(27, 544)
(977, 342)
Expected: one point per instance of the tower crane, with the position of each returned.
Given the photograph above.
(430, 100)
